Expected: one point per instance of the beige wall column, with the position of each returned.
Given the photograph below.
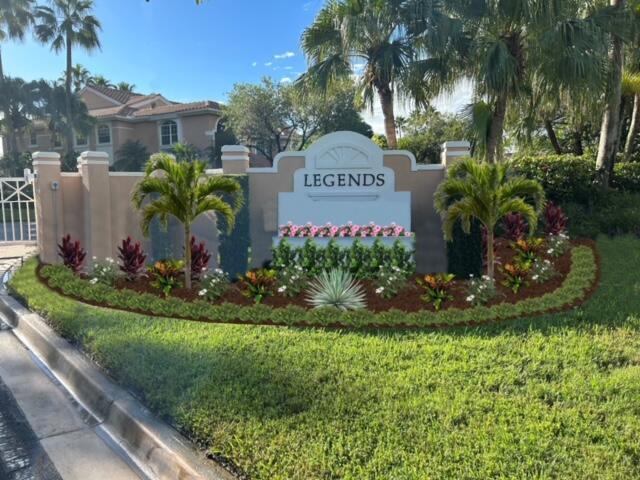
(235, 159)
(454, 151)
(49, 204)
(96, 195)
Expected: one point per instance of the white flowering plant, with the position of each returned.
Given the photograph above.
(390, 280)
(558, 245)
(542, 270)
(213, 285)
(292, 280)
(106, 272)
(481, 290)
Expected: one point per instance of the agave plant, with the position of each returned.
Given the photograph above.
(336, 288)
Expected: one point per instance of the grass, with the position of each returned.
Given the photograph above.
(556, 396)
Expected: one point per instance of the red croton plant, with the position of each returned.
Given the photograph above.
(72, 253)
(132, 258)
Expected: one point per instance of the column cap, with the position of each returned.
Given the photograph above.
(93, 158)
(46, 158)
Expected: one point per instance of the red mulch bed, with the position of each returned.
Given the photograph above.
(407, 300)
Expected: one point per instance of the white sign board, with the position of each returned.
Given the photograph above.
(344, 180)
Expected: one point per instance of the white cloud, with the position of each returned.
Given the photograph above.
(280, 56)
(288, 68)
(254, 64)
(268, 64)
(285, 80)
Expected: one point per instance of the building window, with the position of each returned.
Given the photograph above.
(81, 139)
(104, 134)
(169, 133)
(33, 138)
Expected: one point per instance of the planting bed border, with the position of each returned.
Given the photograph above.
(579, 284)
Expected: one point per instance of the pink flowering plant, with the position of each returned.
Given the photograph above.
(348, 230)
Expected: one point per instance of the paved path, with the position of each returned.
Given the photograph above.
(44, 433)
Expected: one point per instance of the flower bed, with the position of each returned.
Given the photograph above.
(349, 230)
(575, 279)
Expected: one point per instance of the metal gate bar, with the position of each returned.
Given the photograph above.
(17, 207)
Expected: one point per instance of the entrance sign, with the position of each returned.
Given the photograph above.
(344, 180)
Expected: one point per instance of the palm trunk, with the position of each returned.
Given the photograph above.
(577, 143)
(386, 101)
(8, 121)
(610, 128)
(187, 256)
(552, 136)
(70, 131)
(494, 142)
(490, 256)
(633, 128)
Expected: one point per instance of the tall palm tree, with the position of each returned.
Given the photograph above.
(631, 88)
(363, 38)
(126, 87)
(486, 192)
(507, 43)
(15, 18)
(65, 24)
(101, 81)
(182, 190)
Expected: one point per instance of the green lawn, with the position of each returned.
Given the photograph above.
(549, 397)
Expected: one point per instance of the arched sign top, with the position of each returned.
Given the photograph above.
(344, 151)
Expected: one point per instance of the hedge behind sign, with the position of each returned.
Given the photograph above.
(234, 247)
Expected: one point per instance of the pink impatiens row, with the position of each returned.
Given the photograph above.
(348, 230)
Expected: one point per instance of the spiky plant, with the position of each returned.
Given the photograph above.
(336, 288)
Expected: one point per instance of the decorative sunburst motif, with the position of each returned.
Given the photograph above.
(342, 157)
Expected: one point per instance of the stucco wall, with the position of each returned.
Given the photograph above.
(195, 127)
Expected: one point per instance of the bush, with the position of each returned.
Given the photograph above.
(338, 289)
(464, 252)
(234, 247)
(131, 157)
(565, 178)
(616, 213)
(132, 258)
(200, 258)
(626, 176)
(72, 253)
(361, 261)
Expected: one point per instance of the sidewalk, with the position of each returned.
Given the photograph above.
(44, 433)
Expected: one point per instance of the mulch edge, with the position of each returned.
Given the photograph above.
(341, 326)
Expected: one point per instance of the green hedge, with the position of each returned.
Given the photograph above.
(569, 178)
(234, 247)
(362, 261)
(578, 282)
(464, 251)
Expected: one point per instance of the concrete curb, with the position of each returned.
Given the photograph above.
(159, 450)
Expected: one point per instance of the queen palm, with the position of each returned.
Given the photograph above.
(486, 192)
(15, 18)
(101, 81)
(126, 86)
(65, 24)
(364, 38)
(80, 77)
(183, 191)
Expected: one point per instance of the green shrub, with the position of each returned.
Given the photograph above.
(464, 252)
(565, 178)
(626, 176)
(338, 289)
(360, 260)
(616, 213)
(234, 247)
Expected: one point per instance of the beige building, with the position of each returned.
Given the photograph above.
(120, 116)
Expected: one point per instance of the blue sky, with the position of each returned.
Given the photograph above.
(184, 51)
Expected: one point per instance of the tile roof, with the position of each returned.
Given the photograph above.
(120, 96)
(176, 108)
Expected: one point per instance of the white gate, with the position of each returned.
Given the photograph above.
(17, 210)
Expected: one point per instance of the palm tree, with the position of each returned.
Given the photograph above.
(126, 87)
(68, 23)
(101, 81)
(505, 45)
(80, 76)
(15, 18)
(631, 88)
(486, 192)
(182, 190)
(363, 38)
